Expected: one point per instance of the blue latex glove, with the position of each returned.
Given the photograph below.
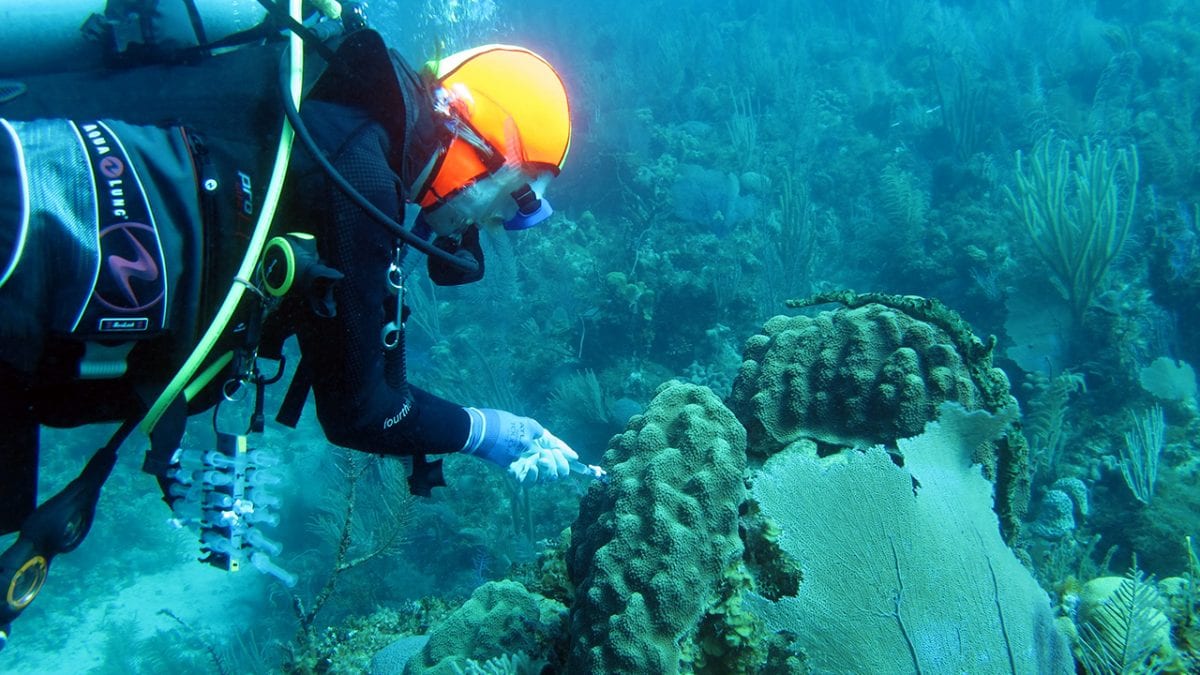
(530, 453)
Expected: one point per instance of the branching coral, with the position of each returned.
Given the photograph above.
(1077, 216)
(1121, 629)
(904, 201)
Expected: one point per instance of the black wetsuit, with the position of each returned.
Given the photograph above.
(368, 110)
(363, 399)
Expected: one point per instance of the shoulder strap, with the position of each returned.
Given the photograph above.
(297, 394)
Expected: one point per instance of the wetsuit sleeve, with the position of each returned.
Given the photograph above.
(361, 401)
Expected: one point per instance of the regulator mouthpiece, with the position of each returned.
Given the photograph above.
(531, 209)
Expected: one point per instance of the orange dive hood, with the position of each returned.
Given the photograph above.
(505, 105)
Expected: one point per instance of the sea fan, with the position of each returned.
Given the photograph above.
(1123, 634)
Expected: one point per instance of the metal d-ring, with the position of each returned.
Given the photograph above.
(390, 335)
(393, 330)
(232, 390)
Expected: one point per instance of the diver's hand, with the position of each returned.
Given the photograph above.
(547, 458)
(521, 444)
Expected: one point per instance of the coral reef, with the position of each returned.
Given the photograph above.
(650, 549)
(992, 155)
(851, 377)
(392, 659)
(1076, 214)
(1121, 629)
(500, 618)
(874, 373)
(1055, 516)
(903, 568)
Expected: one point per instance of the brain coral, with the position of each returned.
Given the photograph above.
(648, 550)
(848, 377)
(500, 618)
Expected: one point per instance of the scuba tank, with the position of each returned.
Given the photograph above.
(80, 35)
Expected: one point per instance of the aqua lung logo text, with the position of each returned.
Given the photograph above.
(129, 294)
(111, 170)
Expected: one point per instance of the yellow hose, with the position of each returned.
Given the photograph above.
(253, 251)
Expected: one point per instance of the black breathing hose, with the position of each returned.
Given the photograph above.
(387, 222)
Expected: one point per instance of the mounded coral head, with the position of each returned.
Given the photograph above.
(500, 618)
(649, 549)
(847, 377)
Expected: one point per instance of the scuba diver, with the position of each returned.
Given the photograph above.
(148, 268)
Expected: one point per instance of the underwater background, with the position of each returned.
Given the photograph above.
(984, 458)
